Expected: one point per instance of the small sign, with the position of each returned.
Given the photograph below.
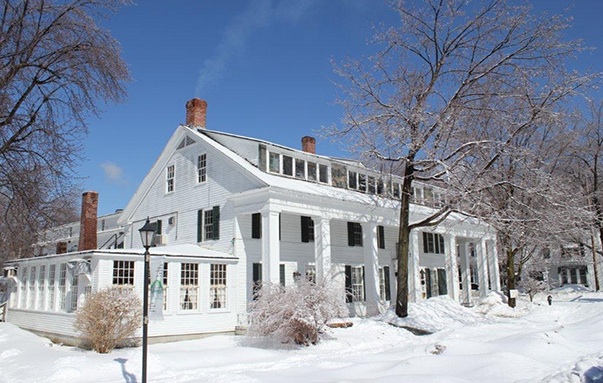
(513, 293)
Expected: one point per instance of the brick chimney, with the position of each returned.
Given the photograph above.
(196, 110)
(61, 247)
(88, 221)
(309, 144)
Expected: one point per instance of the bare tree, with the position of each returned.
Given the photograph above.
(455, 83)
(57, 67)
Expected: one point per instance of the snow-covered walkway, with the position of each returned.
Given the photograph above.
(533, 343)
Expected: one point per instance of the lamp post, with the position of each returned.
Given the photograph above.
(147, 233)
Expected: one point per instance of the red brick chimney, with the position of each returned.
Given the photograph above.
(61, 247)
(196, 109)
(309, 144)
(88, 221)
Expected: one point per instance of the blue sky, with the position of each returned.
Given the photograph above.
(263, 66)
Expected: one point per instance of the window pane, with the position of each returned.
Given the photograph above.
(274, 162)
(202, 168)
(323, 173)
(300, 169)
(189, 286)
(352, 183)
(217, 281)
(311, 171)
(362, 182)
(287, 165)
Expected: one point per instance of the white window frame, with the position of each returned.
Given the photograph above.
(62, 287)
(41, 287)
(52, 280)
(357, 284)
(202, 168)
(170, 175)
(218, 286)
(189, 287)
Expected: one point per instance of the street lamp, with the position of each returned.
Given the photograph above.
(147, 234)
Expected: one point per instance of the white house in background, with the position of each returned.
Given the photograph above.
(231, 211)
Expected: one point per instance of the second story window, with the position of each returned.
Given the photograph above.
(169, 177)
(201, 168)
(433, 243)
(354, 234)
(307, 229)
(208, 224)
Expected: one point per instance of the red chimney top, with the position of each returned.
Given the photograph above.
(88, 221)
(196, 110)
(309, 144)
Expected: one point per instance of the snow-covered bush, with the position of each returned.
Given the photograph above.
(108, 318)
(298, 312)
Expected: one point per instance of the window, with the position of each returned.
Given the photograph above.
(362, 182)
(169, 176)
(371, 185)
(256, 277)
(123, 273)
(323, 175)
(274, 162)
(208, 224)
(256, 225)
(381, 237)
(23, 290)
(307, 229)
(354, 283)
(300, 169)
(312, 171)
(41, 286)
(287, 165)
(189, 286)
(31, 288)
(354, 234)
(282, 270)
(311, 273)
(201, 168)
(384, 287)
(62, 286)
(433, 243)
(217, 286)
(352, 180)
(74, 293)
(51, 286)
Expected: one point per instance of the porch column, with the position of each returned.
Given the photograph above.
(371, 267)
(493, 265)
(465, 273)
(270, 246)
(322, 247)
(414, 279)
(452, 267)
(482, 267)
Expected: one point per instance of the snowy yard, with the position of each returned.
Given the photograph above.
(488, 343)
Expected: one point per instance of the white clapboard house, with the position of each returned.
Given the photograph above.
(230, 211)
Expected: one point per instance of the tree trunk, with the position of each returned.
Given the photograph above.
(404, 246)
(594, 250)
(510, 276)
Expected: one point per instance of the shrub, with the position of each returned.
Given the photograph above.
(109, 318)
(298, 312)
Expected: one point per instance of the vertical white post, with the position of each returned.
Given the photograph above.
(482, 267)
(322, 247)
(414, 279)
(371, 267)
(493, 262)
(452, 267)
(270, 246)
(465, 273)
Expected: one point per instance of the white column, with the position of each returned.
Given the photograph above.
(452, 267)
(465, 273)
(493, 263)
(371, 267)
(482, 267)
(414, 279)
(322, 247)
(270, 246)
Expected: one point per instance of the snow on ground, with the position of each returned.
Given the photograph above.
(487, 343)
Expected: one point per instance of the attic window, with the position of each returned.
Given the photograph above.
(186, 141)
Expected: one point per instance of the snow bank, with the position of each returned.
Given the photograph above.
(495, 304)
(435, 314)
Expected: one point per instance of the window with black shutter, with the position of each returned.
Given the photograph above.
(256, 225)
(381, 237)
(307, 229)
(354, 234)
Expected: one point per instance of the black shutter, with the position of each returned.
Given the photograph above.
(351, 234)
(216, 222)
(428, 283)
(256, 225)
(158, 227)
(281, 269)
(199, 225)
(305, 236)
(381, 237)
(348, 284)
(388, 294)
(442, 285)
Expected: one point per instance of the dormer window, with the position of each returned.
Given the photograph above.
(287, 165)
(274, 162)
